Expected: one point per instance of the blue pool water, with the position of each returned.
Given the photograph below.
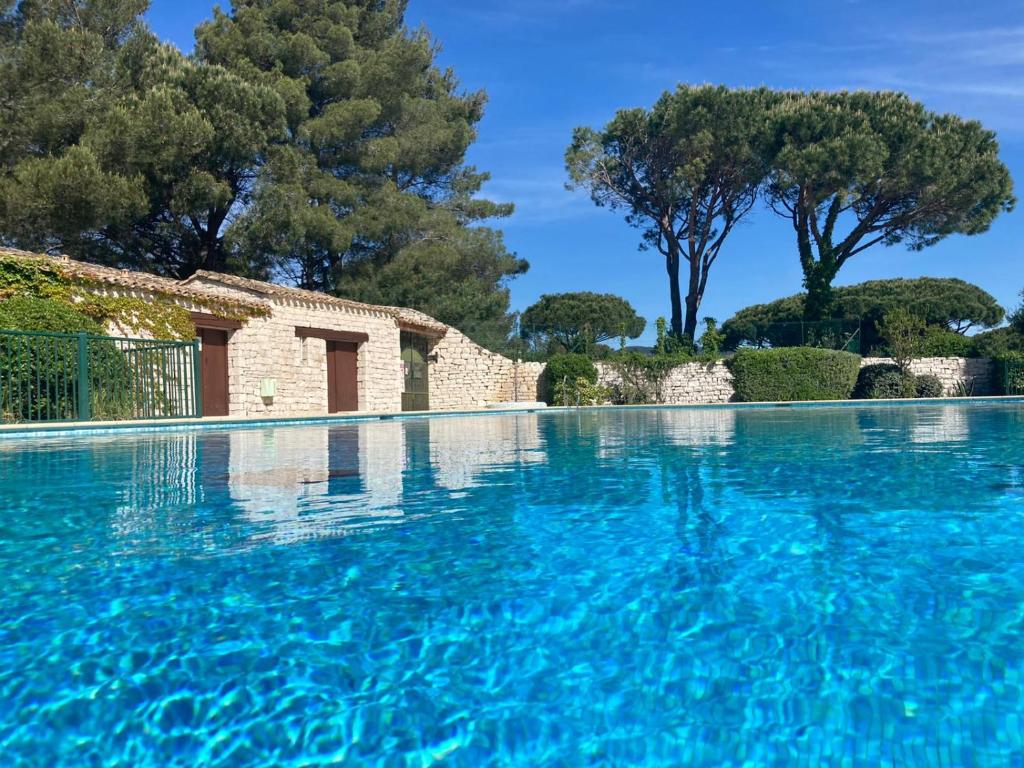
(819, 587)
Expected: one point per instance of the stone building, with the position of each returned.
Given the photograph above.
(293, 352)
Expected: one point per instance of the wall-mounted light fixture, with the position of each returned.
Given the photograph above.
(434, 357)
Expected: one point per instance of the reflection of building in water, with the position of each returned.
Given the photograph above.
(163, 477)
(941, 425)
(461, 449)
(317, 481)
(697, 427)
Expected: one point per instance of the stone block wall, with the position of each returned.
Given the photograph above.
(979, 374)
(466, 375)
(688, 384)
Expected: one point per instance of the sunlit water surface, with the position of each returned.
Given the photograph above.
(824, 587)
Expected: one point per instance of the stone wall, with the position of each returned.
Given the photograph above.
(978, 374)
(465, 375)
(688, 384)
(267, 348)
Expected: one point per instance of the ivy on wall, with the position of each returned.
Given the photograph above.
(161, 318)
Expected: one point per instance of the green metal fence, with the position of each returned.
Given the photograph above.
(827, 334)
(79, 377)
(1012, 375)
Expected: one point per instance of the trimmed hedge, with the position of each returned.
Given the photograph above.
(884, 381)
(793, 373)
(569, 367)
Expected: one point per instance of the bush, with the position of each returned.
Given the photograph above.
(903, 334)
(928, 385)
(45, 369)
(27, 313)
(568, 368)
(579, 392)
(793, 373)
(884, 381)
(940, 342)
(642, 377)
(1010, 373)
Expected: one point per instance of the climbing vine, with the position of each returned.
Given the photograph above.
(161, 318)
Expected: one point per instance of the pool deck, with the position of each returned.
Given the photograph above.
(94, 428)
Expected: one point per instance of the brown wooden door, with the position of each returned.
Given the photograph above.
(342, 376)
(214, 365)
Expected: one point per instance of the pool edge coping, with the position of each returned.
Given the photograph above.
(96, 429)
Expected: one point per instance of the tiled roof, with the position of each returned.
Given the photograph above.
(122, 278)
(192, 288)
(407, 317)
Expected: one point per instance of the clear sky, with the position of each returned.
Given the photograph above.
(550, 65)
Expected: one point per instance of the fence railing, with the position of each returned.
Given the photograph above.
(1012, 375)
(827, 334)
(80, 377)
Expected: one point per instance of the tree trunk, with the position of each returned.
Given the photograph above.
(818, 282)
(672, 264)
(693, 298)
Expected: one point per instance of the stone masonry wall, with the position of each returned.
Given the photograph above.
(267, 348)
(689, 384)
(976, 373)
(468, 376)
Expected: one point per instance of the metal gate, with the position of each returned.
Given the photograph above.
(416, 396)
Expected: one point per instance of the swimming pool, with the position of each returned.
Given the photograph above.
(829, 586)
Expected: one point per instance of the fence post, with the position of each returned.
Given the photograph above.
(84, 399)
(197, 378)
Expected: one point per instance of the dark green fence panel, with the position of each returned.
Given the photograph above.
(78, 377)
(1012, 375)
(825, 334)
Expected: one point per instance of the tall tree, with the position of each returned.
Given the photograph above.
(122, 150)
(370, 181)
(853, 170)
(579, 321)
(685, 173)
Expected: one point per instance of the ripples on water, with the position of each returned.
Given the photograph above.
(665, 587)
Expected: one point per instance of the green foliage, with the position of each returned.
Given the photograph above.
(886, 169)
(711, 340)
(793, 374)
(368, 194)
(947, 303)
(903, 334)
(579, 321)
(684, 173)
(316, 143)
(928, 385)
(1010, 373)
(567, 368)
(998, 343)
(641, 378)
(46, 368)
(938, 342)
(579, 391)
(29, 313)
(119, 149)
(884, 381)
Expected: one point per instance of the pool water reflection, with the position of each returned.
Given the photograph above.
(659, 587)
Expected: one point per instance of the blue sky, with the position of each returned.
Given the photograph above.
(550, 65)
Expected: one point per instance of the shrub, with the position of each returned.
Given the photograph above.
(27, 313)
(579, 392)
(884, 381)
(46, 368)
(793, 373)
(928, 385)
(940, 342)
(567, 368)
(642, 377)
(903, 334)
(1010, 373)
